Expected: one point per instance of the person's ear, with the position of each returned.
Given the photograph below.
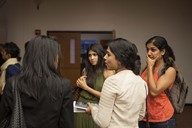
(8, 55)
(163, 52)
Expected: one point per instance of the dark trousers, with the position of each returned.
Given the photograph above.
(167, 124)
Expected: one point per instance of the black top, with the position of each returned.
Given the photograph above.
(44, 112)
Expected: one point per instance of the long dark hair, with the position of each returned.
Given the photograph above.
(161, 43)
(93, 70)
(125, 52)
(39, 68)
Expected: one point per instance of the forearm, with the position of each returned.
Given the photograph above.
(93, 91)
(153, 88)
(81, 82)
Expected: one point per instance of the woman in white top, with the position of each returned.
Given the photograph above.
(123, 96)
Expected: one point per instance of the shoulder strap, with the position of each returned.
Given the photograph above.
(161, 71)
(167, 91)
(17, 118)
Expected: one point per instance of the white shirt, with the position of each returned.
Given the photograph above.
(123, 101)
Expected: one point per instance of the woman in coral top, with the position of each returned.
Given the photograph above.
(160, 109)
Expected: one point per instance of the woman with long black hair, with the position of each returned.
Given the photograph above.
(91, 82)
(46, 97)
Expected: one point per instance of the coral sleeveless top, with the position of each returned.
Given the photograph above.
(160, 108)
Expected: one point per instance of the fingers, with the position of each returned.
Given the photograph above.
(88, 110)
(78, 83)
(81, 82)
(83, 77)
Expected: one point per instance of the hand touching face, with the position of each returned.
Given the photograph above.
(153, 54)
(151, 61)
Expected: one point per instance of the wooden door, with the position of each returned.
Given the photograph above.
(69, 65)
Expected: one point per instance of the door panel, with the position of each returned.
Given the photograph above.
(69, 64)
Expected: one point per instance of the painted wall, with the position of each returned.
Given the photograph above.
(2, 25)
(134, 20)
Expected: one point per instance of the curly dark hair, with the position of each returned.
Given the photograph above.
(12, 49)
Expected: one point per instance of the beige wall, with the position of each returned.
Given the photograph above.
(2, 25)
(135, 20)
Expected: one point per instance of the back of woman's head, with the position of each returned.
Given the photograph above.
(100, 52)
(39, 70)
(125, 52)
(12, 49)
(40, 56)
(161, 43)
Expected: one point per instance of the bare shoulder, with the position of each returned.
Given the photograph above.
(170, 73)
(171, 70)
